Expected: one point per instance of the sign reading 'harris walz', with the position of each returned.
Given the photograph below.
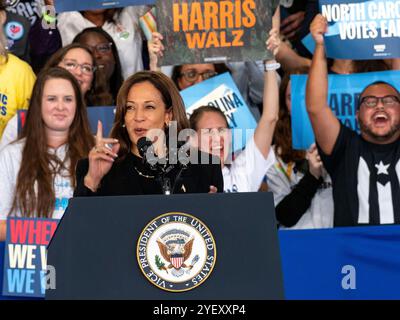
(26, 273)
(214, 31)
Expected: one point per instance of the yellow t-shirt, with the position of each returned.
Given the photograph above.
(16, 83)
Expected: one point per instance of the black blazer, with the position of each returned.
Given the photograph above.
(127, 177)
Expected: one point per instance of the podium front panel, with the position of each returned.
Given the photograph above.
(94, 247)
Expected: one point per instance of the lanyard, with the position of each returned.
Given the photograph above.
(288, 171)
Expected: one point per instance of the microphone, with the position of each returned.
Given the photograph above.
(143, 145)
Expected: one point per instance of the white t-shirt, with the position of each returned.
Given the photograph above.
(10, 132)
(126, 35)
(247, 171)
(10, 162)
(320, 212)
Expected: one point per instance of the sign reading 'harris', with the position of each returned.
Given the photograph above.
(214, 31)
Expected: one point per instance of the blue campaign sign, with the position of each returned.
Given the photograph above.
(342, 98)
(26, 273)
(105, 115)
(222, 92)
(362, 30)
(79, 5)
(341, 263)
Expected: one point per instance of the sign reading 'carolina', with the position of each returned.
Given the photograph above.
(176, 252)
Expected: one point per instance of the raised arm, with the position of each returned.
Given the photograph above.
(266, 126)
(325, 124)
(156, 49)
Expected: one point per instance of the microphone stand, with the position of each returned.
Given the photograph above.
(161, 170)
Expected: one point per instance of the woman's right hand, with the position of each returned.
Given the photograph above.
(156, 49)
(314, 161)
(101, 159)
(318, 27)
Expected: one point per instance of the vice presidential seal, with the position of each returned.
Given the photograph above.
(176, 252)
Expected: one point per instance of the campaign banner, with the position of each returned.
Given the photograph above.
(222, 92)
(343, 93)
(214, 31)
(79, 5)
(362, 30)
(351, 263)
(26, 273)
(104, 114)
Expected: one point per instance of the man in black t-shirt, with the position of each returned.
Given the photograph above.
(365, 169)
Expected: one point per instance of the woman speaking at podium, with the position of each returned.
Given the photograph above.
(147, 101)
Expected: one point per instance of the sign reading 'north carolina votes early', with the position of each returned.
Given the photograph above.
(360, 29)
(214, 31)
(176, 252)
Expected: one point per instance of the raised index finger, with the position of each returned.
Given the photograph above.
(99, 134)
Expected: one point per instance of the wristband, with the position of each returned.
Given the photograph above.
(271, 66)
(48, 18)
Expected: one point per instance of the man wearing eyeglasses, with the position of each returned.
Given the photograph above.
(365, 169)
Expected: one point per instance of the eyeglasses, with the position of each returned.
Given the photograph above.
(192, 75)
(102, 48)
(211, 131)
(72, 65)
(372, 101)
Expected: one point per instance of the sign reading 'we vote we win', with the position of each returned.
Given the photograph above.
(26, 273)
(361, 30)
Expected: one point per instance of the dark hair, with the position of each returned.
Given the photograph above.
(374, 84)
(171, 98)
(109, 14)
(3, 5)
(116, 79)
(283, 130)
(97, 95)
(361, 66)
(35, 195)
(176, 71)
(199, 112)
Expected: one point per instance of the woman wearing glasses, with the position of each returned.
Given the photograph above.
(121, 24)
(80, 62)
(246, 172)
(37, 172)
(188, 75)
(107, 57)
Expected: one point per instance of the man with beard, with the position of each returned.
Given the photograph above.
(365, 169)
